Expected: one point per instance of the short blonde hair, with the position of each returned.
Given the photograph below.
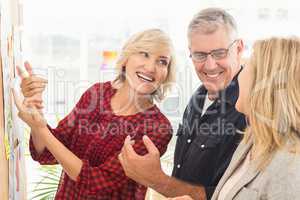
(275, 98)
(153, 41)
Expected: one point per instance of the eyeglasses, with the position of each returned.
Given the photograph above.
(216, 54)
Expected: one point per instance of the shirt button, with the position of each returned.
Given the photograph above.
(178, 166)
(189, 141)
(202, 146)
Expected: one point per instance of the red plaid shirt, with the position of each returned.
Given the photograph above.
(96, 136)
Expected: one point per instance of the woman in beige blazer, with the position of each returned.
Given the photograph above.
(266, 165)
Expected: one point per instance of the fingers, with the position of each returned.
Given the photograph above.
(33, 100)
(150, 145)
(19, 71)
(22, 73)
(32, 116)
(33, 85)
(37, 103)
(121, 159)
(25, 73)
(128, 149)
(22, 107)
(28, 112)
(33, 82)
(34, 79)
(38, 106)
(17, 101)
(36, 116)
(28, 67)
(36, 100)
(24, 116)
(32, 109)
(34, 92)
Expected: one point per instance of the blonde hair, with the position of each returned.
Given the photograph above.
(153, 41)
(209, 20)
(275, 98)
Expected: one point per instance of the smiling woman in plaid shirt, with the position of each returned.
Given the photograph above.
(88, 140)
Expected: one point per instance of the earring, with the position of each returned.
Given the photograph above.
(123, 75)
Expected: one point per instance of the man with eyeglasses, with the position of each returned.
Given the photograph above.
(210, 129)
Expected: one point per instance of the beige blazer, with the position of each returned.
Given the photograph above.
(279, 180)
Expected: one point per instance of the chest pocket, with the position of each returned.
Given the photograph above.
(183, 132)
(207, 142)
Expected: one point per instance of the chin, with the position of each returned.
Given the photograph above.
(238, 107)
(145, 91)
(211, 88)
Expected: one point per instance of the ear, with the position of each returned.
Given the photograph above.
(240, 47)
(122, 75)
(190, 50)
(124, 65)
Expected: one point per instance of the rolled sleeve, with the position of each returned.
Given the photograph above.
(45, 158)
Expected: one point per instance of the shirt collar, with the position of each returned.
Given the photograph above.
(231, 93)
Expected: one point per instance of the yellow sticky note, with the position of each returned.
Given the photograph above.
(7, 146)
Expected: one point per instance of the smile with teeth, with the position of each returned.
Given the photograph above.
(144, 77)
(212, 75)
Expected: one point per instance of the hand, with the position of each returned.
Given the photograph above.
(32, 86)
(28, 113)
(146, 169)
(185, 197)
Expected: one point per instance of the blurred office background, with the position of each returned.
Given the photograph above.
(68, 41)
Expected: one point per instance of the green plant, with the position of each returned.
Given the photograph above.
(46, 188)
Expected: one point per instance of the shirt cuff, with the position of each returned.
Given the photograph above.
(83, 177)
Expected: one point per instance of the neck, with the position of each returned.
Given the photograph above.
(212, 95)
(127, 101)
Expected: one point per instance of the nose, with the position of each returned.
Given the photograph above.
(151, 65)
(210, 63)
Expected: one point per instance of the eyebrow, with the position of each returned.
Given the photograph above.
(165, 57)
(209, 51)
